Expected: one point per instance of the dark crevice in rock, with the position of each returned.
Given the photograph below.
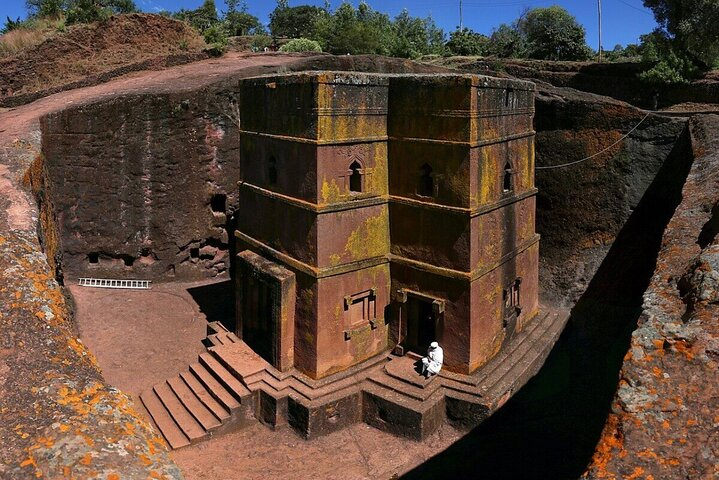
(710, 229)
(553, 423)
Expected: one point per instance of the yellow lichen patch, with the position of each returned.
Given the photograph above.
(683, 347)
(335, 259)
(377, 182)
(330, 191)
(371, 239)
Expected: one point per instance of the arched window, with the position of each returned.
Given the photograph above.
(272, 171)
(426, 181)
(507, 182)
(355, 177)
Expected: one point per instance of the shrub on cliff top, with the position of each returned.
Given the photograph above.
(301, 45)
(216, 40)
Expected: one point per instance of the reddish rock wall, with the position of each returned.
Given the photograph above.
(147, 185)
(664, 416)
(582, 208)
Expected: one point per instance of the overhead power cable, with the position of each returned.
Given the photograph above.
(549, 167)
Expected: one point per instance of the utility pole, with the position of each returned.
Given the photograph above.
(460, 16)
(599, 7)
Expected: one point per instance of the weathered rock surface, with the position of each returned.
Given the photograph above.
(59, 417)
(582, 208)
(664, 422)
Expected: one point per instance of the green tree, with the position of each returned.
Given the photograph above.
(553, 34)
(238, 21)
(11, 25)
(201, 18)
(86, 11)
(46, 8)
(692, 28)
(414, 37)
(507, 42)
(467, 42)
(295, 22)
(355, 31)
(671, 65)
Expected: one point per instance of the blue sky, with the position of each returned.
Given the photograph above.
(623, 20)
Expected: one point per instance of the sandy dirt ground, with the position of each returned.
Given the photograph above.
(141, 338)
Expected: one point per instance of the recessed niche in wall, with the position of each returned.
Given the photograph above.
(218, 203)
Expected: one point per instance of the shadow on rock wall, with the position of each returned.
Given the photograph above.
(550, 428)
(217, 302)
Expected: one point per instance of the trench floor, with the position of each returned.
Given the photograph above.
(143, 337)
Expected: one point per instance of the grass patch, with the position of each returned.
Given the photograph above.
(32, 33)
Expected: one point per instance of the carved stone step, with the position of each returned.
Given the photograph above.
(162, 418)
(218, 391)
(205, 397)
(193, 404)
(187, 423)
(226, 378)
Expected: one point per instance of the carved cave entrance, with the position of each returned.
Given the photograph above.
(421, 316)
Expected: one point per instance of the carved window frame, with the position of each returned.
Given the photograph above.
(368, 319)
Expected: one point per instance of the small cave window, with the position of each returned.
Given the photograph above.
(218, 203)
(93, 258)
(195, 252)
(128, 260)
(356, 177)
(426, 181)
(508, 96)
(512, 298)
(272, 171)
(507, 178)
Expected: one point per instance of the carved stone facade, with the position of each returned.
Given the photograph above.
(402, 207)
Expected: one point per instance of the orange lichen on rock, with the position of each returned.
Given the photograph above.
(610, 445)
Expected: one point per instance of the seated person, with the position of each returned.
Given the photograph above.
(432, 363)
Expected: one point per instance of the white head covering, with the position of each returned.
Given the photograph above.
(433, 345)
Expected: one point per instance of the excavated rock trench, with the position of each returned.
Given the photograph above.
(601, 224)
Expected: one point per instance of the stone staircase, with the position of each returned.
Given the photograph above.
(199, 402)
(482, 393)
